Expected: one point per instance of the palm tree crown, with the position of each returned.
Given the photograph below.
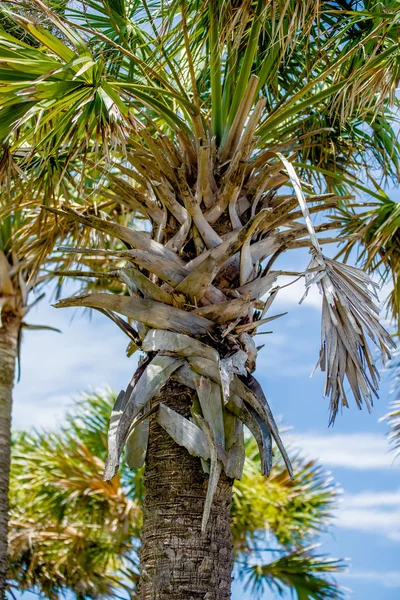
(192, 116)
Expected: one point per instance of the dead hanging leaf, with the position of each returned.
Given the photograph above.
(252, 393)
(349, 316)
(215, 470)
(237, 453)
(257, 427)
(155, 375)
(209, 394)
(229, 367)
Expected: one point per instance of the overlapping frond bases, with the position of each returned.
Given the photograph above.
(197, 290)
(72, 532)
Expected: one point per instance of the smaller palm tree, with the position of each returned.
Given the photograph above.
(26, 266)
(71, 530)
(16, 284)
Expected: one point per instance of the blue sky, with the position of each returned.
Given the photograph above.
(90, 353)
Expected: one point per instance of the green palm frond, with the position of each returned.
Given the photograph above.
(303, 571)
(293, 510)
(374, 233)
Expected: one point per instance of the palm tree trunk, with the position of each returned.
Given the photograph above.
(178, 562)
(8, 352)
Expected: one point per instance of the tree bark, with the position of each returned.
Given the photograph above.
(8, 353)
(178, 562)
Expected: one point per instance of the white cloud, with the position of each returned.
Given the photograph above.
(373, 499)
(376, 512)
(49, 411)
(380, 522)
(389, 579)
(90, 353)
(353, 451)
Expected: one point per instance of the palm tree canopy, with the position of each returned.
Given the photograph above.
(193, 115)
(70, 530)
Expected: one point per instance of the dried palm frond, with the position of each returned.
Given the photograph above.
(349, 315)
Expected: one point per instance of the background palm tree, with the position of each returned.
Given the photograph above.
(70, 530)
(193, 115)
(22, 253)
(16, 283)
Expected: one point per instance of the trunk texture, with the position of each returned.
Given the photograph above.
(8, 352)
(178, 562)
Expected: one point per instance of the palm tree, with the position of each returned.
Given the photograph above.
(72, 531)
(16, 283)
(194, 115)
(19, 279)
